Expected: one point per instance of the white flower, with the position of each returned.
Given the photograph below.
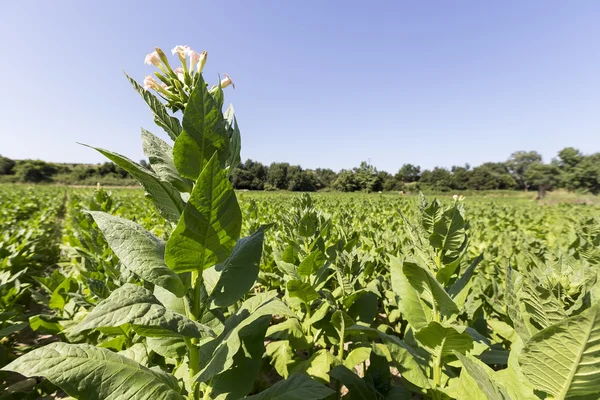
(150, 83)
(181, 51)
(194, 57)
(180, 73)
(153, 59)
(226, 82)
(455, 197)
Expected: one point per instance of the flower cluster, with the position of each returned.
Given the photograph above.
(174, 85)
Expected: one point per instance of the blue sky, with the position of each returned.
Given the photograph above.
(318, 83)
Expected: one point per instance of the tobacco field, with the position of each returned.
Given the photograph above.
(188, 289)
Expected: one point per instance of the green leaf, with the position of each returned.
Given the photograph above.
(302, 290)
(429, 288)
(432, 214)
(356, 386)
(311, 263)
(209, 226)
(461, 282)
(9, 330)
(132, 304)
(168, 347)
(218, 354)
(282, 356)
(296, 387)
(409, 303)
(160, 155)
(88, 372)
(162, 118)
(239, 272)
(357, 356)
(235, 140)
(340, 321)
(290, 330)
(564, 359)
(481, 375)
(203, 134)
(442, 341)
(449, 232)
(139, 250)
(165, 197)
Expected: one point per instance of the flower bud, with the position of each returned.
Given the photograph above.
(162, 56)
(153, 59)
(226, 82)
(198, 60)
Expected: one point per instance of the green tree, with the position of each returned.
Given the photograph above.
(438, 179)
(460, 177)
(491, 176)
(346, 181)
(277, 175)
(6, 166)
(586, 175)
(324, 177)
(542, 177)
(408, 173)
(35, 171)
(518, 163)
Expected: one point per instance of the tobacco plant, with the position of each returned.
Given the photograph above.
(181, 322)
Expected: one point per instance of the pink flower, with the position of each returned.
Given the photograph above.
(150, 83)
(153, 59)
(226, 82)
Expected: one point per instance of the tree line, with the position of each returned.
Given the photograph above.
(524, 170)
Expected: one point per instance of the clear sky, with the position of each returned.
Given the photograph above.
(318, 83)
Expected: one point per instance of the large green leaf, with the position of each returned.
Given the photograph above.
(162, 118)
(210, 223)
(204, 134)
(564, 359)
(449, 231)
(432, 214)
(160, 155)
(442, 341)
(409, 302)
(239, 272)
(135, 305)
(92, 373)
(429, 288)
(296, 387)
(139, 250)
(165, 197)
(218, 354)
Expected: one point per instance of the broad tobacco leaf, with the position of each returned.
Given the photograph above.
(139, 250)
(135, 305)
(204, 134)
(88, 372)
(209, 226)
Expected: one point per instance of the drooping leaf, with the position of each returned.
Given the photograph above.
(203, 134)
(160, 155)
(135, 305)
(296, 387)
(89, 372)
(165, 197)
(239, 272)
(209, 226)
(162, 118)
(139, 250)
(564, 359)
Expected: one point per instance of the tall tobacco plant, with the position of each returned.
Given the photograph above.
(188, 301)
